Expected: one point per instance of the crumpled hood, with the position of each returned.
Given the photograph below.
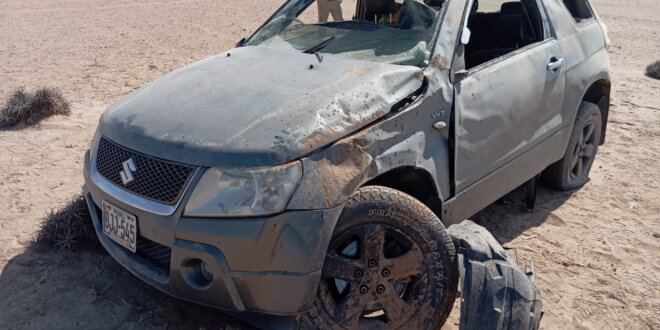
(255, 106)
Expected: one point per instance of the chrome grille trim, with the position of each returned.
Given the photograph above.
(157, 180)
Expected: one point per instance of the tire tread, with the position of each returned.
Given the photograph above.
(376, 193)
(555, 176)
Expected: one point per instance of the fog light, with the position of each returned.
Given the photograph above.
(206, 270)
(197, 273)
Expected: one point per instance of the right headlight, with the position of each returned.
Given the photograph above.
(250, 192)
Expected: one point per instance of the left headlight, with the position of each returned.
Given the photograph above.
(228, 193)
(94, 143)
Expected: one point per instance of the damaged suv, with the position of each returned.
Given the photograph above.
(308, 176)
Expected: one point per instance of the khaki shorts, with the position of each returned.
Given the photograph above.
(327, 7)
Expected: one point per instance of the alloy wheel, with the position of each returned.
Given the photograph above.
(584, 152)
(374, 276)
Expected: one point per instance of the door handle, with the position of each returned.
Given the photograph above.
(555, 64)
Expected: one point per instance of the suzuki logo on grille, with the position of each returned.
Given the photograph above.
(127, 173)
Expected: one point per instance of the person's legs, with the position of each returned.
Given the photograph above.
(324, 7)
(337, 12)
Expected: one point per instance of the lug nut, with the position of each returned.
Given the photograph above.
(380, 288)
(385, 272)
(371, 263)
(358, 273)
(364, 289)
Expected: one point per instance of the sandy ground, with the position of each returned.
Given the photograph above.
(595, 250)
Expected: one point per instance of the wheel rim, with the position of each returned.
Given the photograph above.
(374, 276)
(584, 152)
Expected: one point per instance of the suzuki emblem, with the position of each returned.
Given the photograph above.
(127, 173)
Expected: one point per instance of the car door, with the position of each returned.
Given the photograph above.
(507, 114)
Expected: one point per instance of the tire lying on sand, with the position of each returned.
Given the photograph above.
(572, 171)
(391, 265)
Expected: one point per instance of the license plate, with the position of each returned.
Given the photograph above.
(120, 226)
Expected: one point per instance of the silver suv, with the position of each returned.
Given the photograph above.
(309, 174)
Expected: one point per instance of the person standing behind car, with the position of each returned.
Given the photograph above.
(327, 7)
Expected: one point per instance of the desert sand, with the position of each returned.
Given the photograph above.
(595, 250)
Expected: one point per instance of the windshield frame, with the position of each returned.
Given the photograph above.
(432, 43)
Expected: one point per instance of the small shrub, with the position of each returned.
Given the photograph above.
(31, 108)
(68, 228)
(653, 70)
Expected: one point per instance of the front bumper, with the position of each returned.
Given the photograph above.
(265, 265)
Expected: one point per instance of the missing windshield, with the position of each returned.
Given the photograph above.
(384, 31)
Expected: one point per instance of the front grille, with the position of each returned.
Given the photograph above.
(158, 255)
(155, 179)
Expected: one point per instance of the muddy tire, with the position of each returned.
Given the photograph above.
(391, 264)
(572, 171)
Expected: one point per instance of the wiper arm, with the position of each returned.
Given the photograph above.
(320, 46)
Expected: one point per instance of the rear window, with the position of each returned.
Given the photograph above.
(579, 9)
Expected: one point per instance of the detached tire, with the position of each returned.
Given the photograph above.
(572, 171)
(391, 265)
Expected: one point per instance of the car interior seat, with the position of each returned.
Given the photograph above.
(416, 14)
(376, 8)
(510, 30)
(508, 25)
(434, 3)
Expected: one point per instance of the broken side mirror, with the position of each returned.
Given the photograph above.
(241, 43)
(460, 75)
(465, 37)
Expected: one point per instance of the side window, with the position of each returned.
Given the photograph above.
(579, 9)
(500, 27)
(490, 6)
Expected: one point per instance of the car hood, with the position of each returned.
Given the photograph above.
(255, 106)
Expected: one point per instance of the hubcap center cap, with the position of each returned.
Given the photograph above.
(373, 279)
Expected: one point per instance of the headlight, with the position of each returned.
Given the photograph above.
(225, 193)
(94, 144)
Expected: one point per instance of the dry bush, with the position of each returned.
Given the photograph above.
(68, 228)
(31, 108)
(653, 70)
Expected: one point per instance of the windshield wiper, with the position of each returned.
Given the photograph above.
(320, 46)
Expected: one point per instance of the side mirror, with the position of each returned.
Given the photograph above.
(241, 42)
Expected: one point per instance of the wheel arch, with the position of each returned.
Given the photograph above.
(414, 181)
(598, 93)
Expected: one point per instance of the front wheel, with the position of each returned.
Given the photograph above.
(391, 264)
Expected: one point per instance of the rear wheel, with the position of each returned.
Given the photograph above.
(390, 265)
(572, 171)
